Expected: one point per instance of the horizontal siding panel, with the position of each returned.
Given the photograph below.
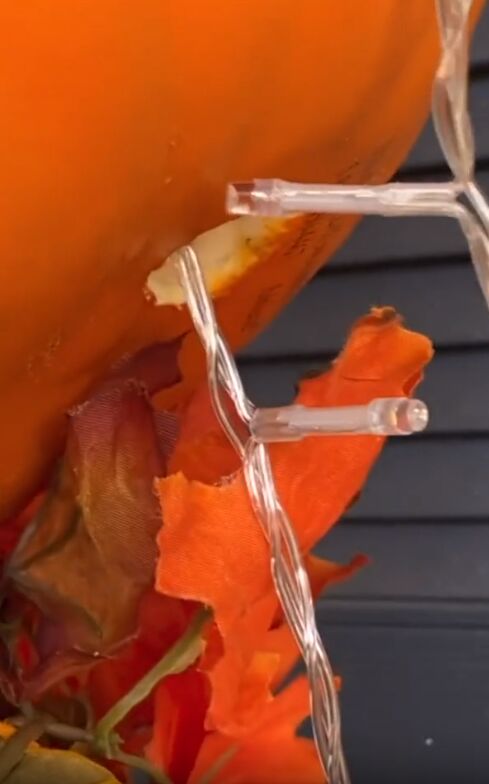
(456, 387)
(378, 240)
(443, 301)
(399, 613)
(419, 478)
(384, 240)
(414, 702)
(411, 565)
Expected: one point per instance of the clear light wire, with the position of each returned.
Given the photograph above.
(453, 127)
(454, 131)
(288, 572)
(276, 197)
(382, 416)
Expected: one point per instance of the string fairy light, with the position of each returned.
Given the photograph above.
(391, 416)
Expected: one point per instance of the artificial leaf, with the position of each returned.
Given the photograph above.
(93, 537)
(202, 450)
(212, 547)
(180, 707)
(317, 478)
(271, 753)
(47, 766)
(241, 674)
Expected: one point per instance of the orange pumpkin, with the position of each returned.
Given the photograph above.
(122, 122)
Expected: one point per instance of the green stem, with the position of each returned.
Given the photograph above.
(132, 761)
(177, 659)
(104, 740)
(12, 753)
(57, 730)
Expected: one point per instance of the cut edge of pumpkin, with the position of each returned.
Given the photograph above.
(225, 253)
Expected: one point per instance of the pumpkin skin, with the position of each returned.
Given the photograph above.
(123, 122)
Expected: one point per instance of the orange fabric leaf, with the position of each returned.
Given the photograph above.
(317, 478)
(266, 760)
(260, 653)
(241, 676)
(181, 703)
(212, 549)
(271, 754)
(211, 546)
(203, 450)
(241, 691)
(322, 572)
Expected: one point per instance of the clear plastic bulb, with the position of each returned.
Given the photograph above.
(390, 416)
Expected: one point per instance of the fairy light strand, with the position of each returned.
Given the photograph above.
(288, 571)
(453, 128)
